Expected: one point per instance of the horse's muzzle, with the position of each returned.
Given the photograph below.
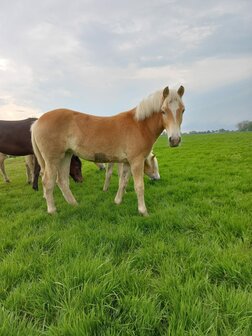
(174, 141)
(155, 177)
(77, 179)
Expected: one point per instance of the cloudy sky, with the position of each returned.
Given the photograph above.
(103, 57)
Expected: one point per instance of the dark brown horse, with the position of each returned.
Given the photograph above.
(15, 139)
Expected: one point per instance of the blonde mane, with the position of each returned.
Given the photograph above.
(153, 104)
(149, 105)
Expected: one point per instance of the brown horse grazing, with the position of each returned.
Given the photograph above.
(15, 139)
(75, 169)
(127, 137)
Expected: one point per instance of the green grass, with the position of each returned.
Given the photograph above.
(101, 269)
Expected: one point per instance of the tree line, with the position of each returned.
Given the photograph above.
(243, 126)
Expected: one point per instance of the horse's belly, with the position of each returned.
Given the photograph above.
(102, 157)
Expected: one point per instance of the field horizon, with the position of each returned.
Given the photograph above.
(102, 269)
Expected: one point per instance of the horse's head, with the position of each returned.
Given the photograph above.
(172, 113)
(151, 167)
(75, 169)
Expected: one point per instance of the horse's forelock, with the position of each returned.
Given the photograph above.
(173, 96)
(172, 100)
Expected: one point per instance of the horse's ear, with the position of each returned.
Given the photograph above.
(181, 91)
(166, 92)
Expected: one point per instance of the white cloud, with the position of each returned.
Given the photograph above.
(212, 73)
(4, 64)
(203, 75)
(12, 111)
(193, 36)
(14, 75)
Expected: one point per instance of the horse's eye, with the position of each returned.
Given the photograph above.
(183, 110)
(163, 112)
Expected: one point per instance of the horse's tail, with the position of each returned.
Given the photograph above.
(36, 150)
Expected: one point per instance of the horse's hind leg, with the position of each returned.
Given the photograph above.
(124, 175)
(137, 169)
(2, 168)
(63, 179)
(109, 171)
(48, 180)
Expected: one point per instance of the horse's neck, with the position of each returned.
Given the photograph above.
(154, 124)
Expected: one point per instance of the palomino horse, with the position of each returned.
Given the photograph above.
(15, 139)
(127, 137)
(150, 169)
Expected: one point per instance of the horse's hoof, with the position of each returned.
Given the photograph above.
(72, 202)
(117, 201)
(144, 213)
(51, 211)
(35, 186)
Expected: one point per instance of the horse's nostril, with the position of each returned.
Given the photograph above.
(174, 140)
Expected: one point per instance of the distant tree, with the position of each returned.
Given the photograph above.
(222, 130)
(244, 126)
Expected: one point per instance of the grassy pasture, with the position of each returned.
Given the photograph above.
(101, 269)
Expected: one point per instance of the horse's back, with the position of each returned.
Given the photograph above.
(15, 136)
(71, 123)
(25, 124)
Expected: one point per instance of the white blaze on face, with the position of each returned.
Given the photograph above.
(173, 129)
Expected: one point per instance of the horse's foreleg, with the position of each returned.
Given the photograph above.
(48, 180)
(63, 180)
(124, 175)
(137, 169)
(2, 168)
(109, 171)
